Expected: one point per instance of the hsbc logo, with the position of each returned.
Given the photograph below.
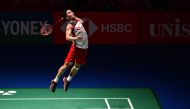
(104, 28)
(117, 28)
(10, 92)
(92, 28)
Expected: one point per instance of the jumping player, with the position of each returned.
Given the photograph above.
(76, 57)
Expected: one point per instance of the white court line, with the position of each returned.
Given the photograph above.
(107, 103)
(11, 99)
(105, 99)
(130, 103)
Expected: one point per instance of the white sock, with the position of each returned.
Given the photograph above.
(69, 78)
(56, 79)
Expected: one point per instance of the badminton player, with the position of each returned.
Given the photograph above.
(77, 54)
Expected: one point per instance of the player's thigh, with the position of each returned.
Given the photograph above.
(70, 57)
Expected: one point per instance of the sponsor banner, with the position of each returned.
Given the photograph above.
(104, 28)
(164, 28)
(23, 27)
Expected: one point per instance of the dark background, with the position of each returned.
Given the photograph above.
(164, 68)
(95, 5)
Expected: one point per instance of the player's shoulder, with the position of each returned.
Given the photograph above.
(69, 26)
(72, 22)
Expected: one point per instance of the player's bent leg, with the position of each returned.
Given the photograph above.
(61, 70)
(75, 69)
(73, 72)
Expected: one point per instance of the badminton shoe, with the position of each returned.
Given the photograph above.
(53, 86)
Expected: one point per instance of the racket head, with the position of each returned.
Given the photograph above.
(46, 29)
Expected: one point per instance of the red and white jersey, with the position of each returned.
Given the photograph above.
(79, 30)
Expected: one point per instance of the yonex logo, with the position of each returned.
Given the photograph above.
(11, 92)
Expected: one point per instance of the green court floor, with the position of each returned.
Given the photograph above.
(78, 98)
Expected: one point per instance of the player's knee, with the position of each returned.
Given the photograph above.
(66, 65)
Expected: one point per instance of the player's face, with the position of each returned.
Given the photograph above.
(70, 14)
